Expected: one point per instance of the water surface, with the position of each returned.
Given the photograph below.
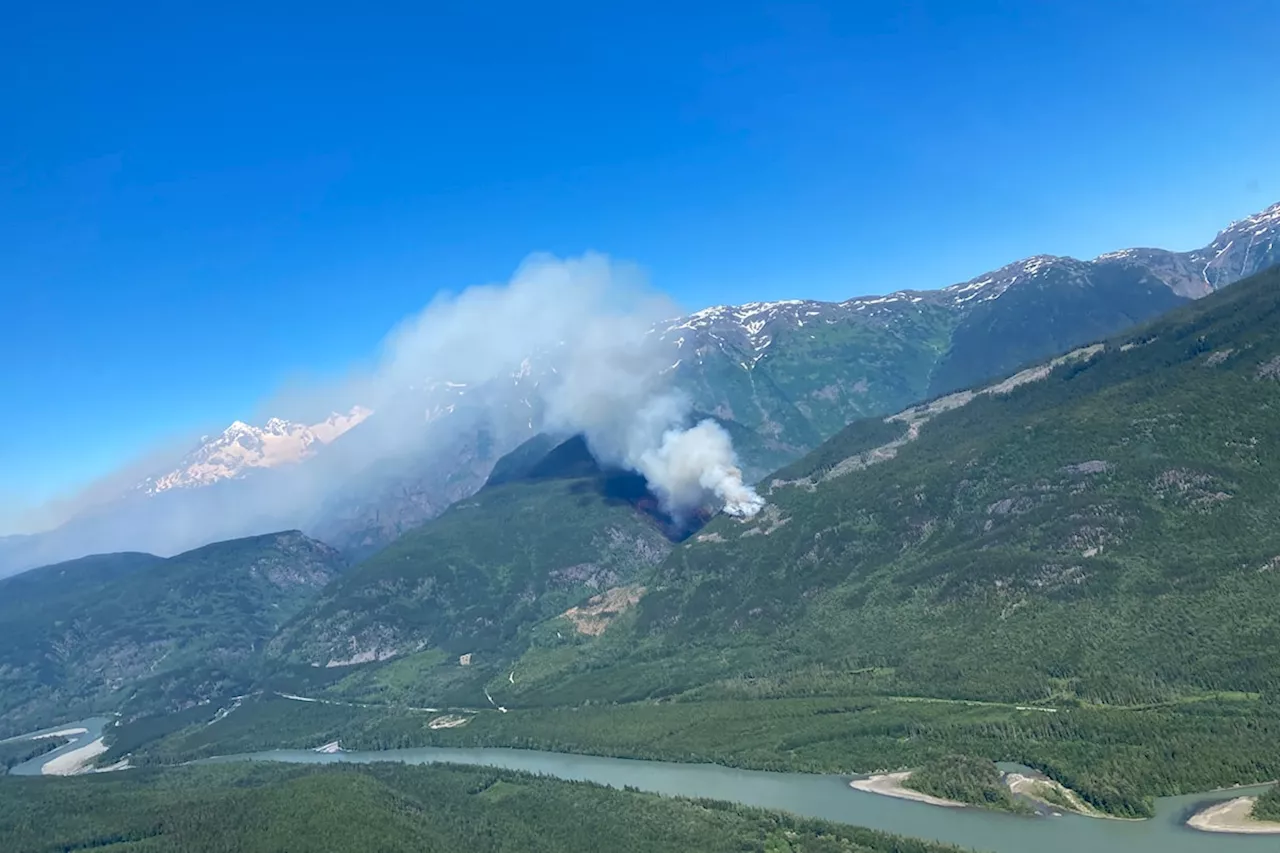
(810, 795)
(831, 798)
(93, 726)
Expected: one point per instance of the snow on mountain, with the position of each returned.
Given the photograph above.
(995, 284)
(336, 424)
(1243, 247)
(746, 334)
(241, 447)
(753, 325)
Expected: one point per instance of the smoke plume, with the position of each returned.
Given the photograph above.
(592, 320)
(616, 389)
(580, 328)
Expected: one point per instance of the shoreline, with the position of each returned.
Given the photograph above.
(890, 785)
(74, 762)
(1233, 816)
(1025, 784)
(1225, 817)
(62, 733)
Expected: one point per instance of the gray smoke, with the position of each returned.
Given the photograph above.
(616, 390)
(592, 319)
(586, 321)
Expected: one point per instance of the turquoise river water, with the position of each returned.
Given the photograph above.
(812, 795)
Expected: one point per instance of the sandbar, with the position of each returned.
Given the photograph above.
(75, 761)
(890, 785)
(1233, 816)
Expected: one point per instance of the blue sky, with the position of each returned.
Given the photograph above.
(198, 206)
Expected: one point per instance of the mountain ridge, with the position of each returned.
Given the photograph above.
(107, 631)
(551, 528)
(1095, 529)
(241, 447)
(789, 374)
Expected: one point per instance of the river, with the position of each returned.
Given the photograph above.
(811, 795)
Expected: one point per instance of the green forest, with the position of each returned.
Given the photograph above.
(167, 631)
(1118, 760)
(965, 779)
(251, 808)
(1268, 805)
(18, 752)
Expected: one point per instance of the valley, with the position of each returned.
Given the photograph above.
(782, 376)
(1069, 568)
(733, 427)
(688, 790)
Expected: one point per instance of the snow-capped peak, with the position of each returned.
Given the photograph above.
(1259, 223)
(992, 285)
(241, 447)
(1243, 247)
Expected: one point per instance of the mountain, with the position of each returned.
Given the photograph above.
(450, 600)
(97, 633)
(1096, 529)
(1073, 567)
(786, 375)
(242, 447)
(432, 446)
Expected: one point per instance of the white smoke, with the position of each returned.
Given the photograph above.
(616, 390)
(691, 464)
(589, 318)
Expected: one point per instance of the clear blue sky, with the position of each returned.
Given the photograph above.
(199, 202)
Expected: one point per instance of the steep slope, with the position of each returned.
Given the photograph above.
(460, 594)
(1102, 528)
(385, 494)
(786, 375)
(1054, 304)
(796, 371)
(93, 634)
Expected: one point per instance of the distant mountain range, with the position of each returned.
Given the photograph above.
(241, 448)
(784, 375)
(1090, 538)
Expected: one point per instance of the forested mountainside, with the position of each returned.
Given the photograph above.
(790, 374)
(1069, 567)
(786, 375)
(99, 633)
(549, 531)
(1098, 528)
